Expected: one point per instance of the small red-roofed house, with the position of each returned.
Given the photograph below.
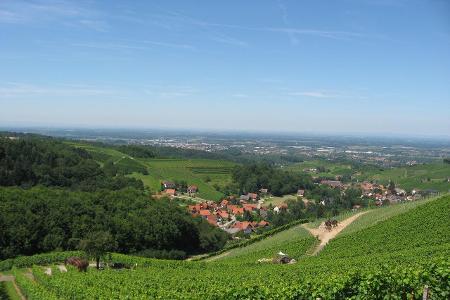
(263, 223)
(204, 213)
(212, 220)
(244, 226)
(250, 207)
(223, 215)
(235, 210)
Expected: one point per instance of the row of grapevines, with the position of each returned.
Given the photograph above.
(221, 281)
(31, 289)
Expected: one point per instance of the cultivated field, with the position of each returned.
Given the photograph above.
(394, 257)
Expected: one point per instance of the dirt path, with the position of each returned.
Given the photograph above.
(218, 256)
(6, 278)
(10, 278)
(325, 236)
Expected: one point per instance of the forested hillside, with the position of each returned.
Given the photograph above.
(28, 160)
(47, 219)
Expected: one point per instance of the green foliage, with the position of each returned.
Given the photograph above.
(8, 291)
(42, 220)
(32, 290)
(35, 160)
(137, 151)
(423, 227)
(37, 259)
(255, 239)
(253, 177)
(97, 245)
(393, 259)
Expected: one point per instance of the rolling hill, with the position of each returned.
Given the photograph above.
(391, 256)
(207, 174)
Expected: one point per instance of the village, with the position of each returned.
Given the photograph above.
(247, 213)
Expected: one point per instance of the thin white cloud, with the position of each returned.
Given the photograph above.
(10, 17)
(22, 90)
(170, 45)
(284, 16)
(229, 41)
(327, 95)
(68, 13)
(240, 95)
(330, 34)
(110, 46)
(96, 25)
(313, 94)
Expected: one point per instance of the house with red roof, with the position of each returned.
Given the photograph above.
(235, 210)
(204, 213)
(222, 214)
(212, 220)
(224, 203)
(263, 223)
(250, 207)
(244, 226)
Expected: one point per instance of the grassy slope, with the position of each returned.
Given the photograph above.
(414, 176)
(205, 173)
(193, 171)
(294, 242)
(333, 168)
(8, 292)
(408, 177)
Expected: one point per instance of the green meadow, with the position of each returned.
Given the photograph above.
(207, 174)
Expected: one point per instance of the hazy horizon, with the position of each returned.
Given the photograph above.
(225, 132)
(349, 67)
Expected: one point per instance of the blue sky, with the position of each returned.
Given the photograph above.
(362, 66)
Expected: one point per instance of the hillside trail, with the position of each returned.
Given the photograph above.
(10, 278)
(325, 236)
(218, 256)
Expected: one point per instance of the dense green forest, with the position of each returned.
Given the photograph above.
(56, 197)
(44, 219)
(253, 177)
(29, 160)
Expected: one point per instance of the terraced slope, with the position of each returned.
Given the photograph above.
(377, 215)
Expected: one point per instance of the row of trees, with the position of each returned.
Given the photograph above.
(44, 219)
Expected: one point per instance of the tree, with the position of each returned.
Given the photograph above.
(391, 186)
(97, 245)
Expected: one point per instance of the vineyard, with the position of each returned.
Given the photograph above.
(393, 258)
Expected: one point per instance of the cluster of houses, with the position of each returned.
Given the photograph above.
(225, 214)
(169, 188)
(381, 193)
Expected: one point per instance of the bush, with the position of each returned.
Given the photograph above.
(162, 254)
